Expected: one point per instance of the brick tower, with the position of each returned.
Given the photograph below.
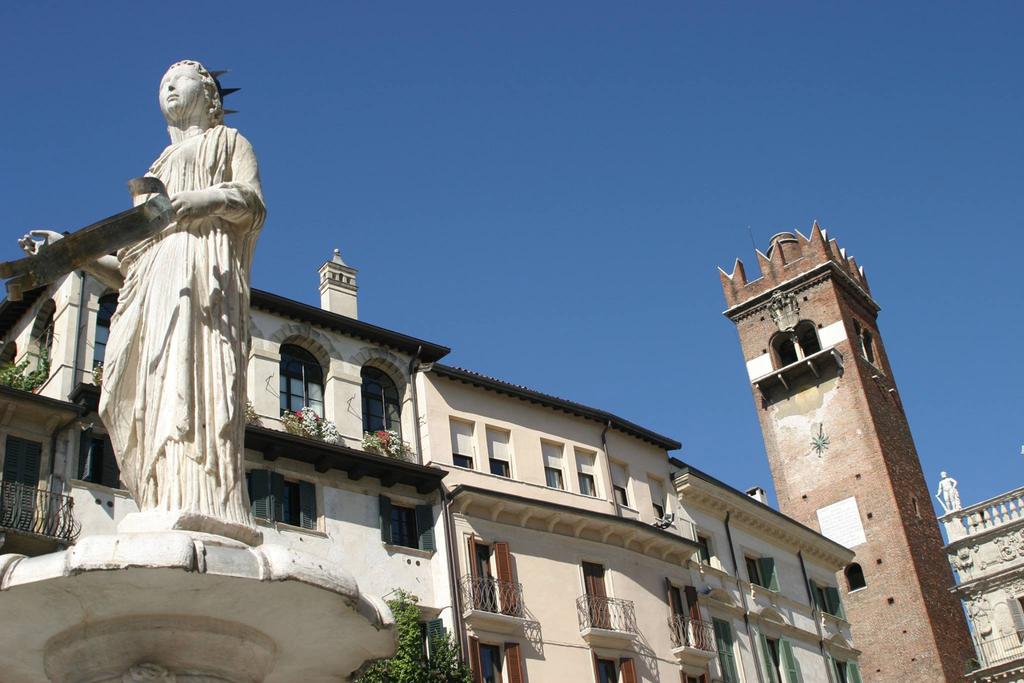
(841, 453)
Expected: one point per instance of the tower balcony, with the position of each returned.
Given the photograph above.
(35, 521)
(606, 622)
(823, 363)
(492, 605)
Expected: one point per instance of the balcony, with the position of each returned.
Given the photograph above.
(28, 511)
(492, 605)
(606, 622)
(1001, 651)
(982, 517)
(693, 642)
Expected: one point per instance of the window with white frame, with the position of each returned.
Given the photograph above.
(553, 472)
(620, 484)
(462, 443)
(658, 499)
(498, 452)
(585, 472)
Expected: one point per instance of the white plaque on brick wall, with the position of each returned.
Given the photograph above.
(841, 523)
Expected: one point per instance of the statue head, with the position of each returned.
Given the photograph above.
(189, 96)
(943, 475)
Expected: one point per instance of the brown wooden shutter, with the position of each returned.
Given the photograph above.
(668, 596)
(513, 663)
(594, 577)
(503, 559)
(627, 670)
(692, 604)
(474, 657)
(472, 557)
(506, 592)
(597, 671)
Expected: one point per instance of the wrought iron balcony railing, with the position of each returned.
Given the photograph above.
(490, 595)
(1000, 650)
(33, 511)
(611, 614)
(687, 632)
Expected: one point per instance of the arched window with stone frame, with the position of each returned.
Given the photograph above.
(855, 577)
(302, 380)
(382, 406)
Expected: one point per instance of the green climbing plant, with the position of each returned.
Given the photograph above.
(18, 376)
(409, 665)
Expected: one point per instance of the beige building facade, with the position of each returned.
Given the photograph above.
(555, 541)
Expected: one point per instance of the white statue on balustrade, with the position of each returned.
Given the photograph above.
(173, 392)
(947, 495)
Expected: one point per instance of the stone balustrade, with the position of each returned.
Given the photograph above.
(989, 514)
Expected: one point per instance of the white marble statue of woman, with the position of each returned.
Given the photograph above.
(173, 393)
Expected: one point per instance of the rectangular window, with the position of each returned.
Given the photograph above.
(761, 571)
(753, 571)
(462, 443)
(499, 453)
(410, 527)
(657, 497)
(490, 663)
(585, 473)
(606, 672)
(620, 481)
(277, 499)
(726, 651)
(552, 454)
(704, 549)
(675, 601)
(96, 462)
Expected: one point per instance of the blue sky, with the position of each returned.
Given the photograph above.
(548, 187)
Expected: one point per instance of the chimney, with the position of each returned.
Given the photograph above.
(758, 494)
(338, 287)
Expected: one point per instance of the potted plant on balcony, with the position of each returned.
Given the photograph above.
(307, 423)
(386, 442)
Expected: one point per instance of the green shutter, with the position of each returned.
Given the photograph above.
(833, 667)
(307, 505)
(766, 566)
(425, 527)
(789, 663)
(262, 499)
(726, 653)
(435, 631)
(815, 595)
(853, 672)
(385, 519)
(770, 670)
(835, 604)
(277, 496)
(21, 461)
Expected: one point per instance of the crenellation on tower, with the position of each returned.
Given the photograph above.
(790, 254)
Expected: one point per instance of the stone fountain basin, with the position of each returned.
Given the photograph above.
(204, 608)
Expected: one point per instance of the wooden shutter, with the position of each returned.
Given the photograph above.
(766, 567)
(835, 604)
(385, 518)
(111, 472)
(668, 596)
(771, 672)
(513, 663)
(307, 505)
(853, 673)
(474, 659)
(693, 606)
(262, 499)
(833, 668)
(471, 544)
(84, 454)
(726, 653)
(435, 632)
(277, 489)
(597, 667)
(506, 593)
(789, 663)
(593, 575)
(21, 461)
(815, 595)
(425, 527)
(627, 670)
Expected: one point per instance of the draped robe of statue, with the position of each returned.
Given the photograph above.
(173, 395)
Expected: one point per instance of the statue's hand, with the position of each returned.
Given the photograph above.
(37, 239)
(196, 204)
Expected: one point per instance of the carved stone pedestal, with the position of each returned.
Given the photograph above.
(175, 607)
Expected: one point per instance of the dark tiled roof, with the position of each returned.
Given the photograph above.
(571, 407)
(273, 303)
